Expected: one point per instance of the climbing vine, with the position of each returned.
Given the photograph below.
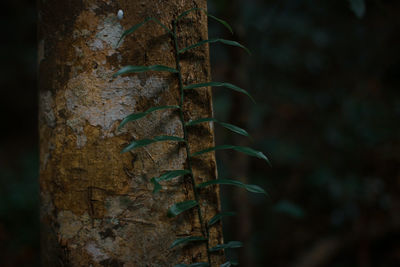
(181, 207)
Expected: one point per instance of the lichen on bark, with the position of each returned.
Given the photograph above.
(97, 205)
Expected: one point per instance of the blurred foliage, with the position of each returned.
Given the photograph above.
(19, 213)
(325, 75)
(19, 204)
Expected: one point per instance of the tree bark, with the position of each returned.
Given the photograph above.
(97, 206)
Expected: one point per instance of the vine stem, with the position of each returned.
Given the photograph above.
(204, 227)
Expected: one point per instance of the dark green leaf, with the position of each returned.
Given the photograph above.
(171, 174)
(136, 116)
(249, 187)
(145, 142)
(219, 84)
(218, 217)
(231, 244)
(231, 127)
(243, 149)
(137, 26)
(180, 207)
(214, 40)
(137, 69)
(234, 128)
(165, 177)
(210, 16)
(198, 264)
(229, 264)
(157, 186)
(223, 22)
(358, 7)
(185, 13)
(185, 240)
(169, 138)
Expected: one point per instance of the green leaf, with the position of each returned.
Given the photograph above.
(165, 177)
(137, 26)
(138, 115)
(185, 240)
(229, 264)
(197, 264)
(137, 69)
(157, 186)
(180, 207)
(358, 7)
(214, 40)
(243, 149)
(210, 16)
(231, 127)
(234, 128)
(220, 84)
(249, 187)
(231, 244)
(171, 174)
(223, 22)
(145, 142)
(218, 217)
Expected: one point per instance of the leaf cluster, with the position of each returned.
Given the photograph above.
(184, 206)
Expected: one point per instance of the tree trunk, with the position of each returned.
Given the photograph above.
(97, 205)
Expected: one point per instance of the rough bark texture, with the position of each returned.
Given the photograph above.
(97, 206)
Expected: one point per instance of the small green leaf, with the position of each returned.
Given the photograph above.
(145, 142)
(165, 177)
(228, 126)
(185, 13)
(197, 264)
(223, 22)
(220, 84)
(137, 26)
(231, 244)
(218, 217)
(214, 40)
(157, 186)
(210, 16)
(229, 264)
(249, 187)
(172, 174)
(169, 138)
(180, 207)
(137, 69)
(234, 128)
(243, 149)
(136, 116)
(185, 240)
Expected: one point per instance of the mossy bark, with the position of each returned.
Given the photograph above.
(97, 206)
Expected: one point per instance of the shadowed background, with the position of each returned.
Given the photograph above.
(325, 76)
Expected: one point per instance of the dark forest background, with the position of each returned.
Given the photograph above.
(326, 78)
